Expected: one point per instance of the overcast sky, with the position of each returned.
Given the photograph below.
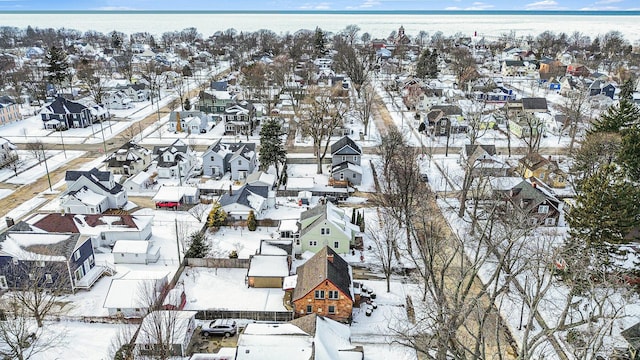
(370, 5)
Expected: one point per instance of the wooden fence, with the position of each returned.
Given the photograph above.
(218, 263)
(213, 314)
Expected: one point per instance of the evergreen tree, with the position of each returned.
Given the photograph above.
(186, 105)
(319, 42)
(629, 155)
(217, 216)
(353, 216)
(627, 89)
(606, 209)
(251, 221)
(198, 246)
(57, 65)
(617, 117)
(427, 66)
(272, 151)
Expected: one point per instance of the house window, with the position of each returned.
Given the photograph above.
(550, 221)
(213, 159)
(344, 158)
(239, 162)
(542, 175)
(354, 175)
(92, 261)
(333, 294)
(313, 243)
(48, 279)
(3, 282)
(319, 294)
(336, 244)
(355, 158)
(76, 255)
(325, 231)
(341, 176)
(309, 309)
(332, 309)
(543, 209)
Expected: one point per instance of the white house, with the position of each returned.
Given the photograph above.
(92, 192)
(118, 100)
(174, 160)
(139, 183)
(135, 252)
(154, 327)
(238, 204)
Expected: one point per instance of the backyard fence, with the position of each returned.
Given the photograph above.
(279, 316)
(218, 263)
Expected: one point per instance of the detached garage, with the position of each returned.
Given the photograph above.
(135, 252)
(267, 271)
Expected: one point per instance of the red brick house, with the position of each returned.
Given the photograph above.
(324, 287)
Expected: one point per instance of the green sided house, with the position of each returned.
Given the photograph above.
(327, 225)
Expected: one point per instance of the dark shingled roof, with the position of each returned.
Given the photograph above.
(241, 195)
(63, 106)
(534, 103)
(66, 223)
(95, 176)
(73, 175)
(345, 141)
(320, 268)
(632, 335)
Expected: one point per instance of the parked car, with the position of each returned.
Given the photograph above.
(223, 327)
(167, 204)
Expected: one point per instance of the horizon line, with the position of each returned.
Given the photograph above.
(324, 11)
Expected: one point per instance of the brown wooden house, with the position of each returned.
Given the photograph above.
(324, 287)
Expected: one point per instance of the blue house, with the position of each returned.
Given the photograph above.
(599, 87)
(66, 113)
(31, 257)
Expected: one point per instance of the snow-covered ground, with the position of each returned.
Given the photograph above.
(209, 288)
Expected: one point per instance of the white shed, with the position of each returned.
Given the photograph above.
(135, 252)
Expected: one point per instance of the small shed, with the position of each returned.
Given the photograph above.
(135, 252)
(267, 271)
(132, 295)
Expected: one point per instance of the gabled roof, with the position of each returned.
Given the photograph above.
(345, 146)
(529, 194)
(243, 196)
(534, 103)
(177, 146)
(326, 264)
(229, 150)
(25, 242)
(95, 176)
(63, 106)
(534, 161)
(345, 165)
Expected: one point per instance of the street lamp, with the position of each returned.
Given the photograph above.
(62, 141)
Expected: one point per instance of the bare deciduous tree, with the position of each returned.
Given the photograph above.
(321, 113)
(385, 240)
(21, 338)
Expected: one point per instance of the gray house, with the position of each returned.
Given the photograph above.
(346, 156)
(239, 159)
(192, 121)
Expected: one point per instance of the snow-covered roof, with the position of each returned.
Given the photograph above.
(174, 193)
(26, 245)
(131, 246)
(268, 266)
(332, 341)
(300, 182)
(289, 282)
(130, 294)
(88, 197)
(288, 225)
(274, 341)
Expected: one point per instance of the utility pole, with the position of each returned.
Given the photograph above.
(62, 140)
(104, 143)
(46, 167)
(178, 241)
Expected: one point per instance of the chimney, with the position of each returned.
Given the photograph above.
(230, 190)
(330, 258)
(535, 185)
